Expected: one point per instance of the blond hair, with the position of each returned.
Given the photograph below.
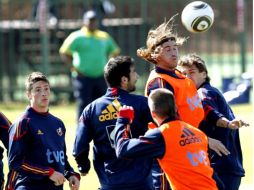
(158, 36)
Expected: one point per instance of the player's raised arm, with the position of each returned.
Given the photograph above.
(149, 145)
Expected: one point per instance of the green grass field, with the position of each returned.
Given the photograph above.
(90, 182)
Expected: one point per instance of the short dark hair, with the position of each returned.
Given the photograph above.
(33, 78)
(162, 102)
(116, 68)
(193, 59)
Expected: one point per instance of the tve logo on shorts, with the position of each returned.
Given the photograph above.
(57, 156)
(194, 102)
(197, 158)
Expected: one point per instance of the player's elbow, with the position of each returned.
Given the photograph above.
(66, 58)
(121, 152)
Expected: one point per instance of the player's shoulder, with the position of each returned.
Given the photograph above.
(137, 100)
(214, 89)
(102, 34)
(138, 97)
(55, 118)
(75, 35)
(4, 121)
(76, 32)
(20, 125)
(207, 88)
(91, 108)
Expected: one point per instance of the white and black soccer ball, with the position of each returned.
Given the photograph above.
(197, 16)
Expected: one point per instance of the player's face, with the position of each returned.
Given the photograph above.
(133, 79)
(92, 24)
(39, 96)
(167, 56)
(193, 73)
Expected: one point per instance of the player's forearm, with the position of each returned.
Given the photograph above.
(222, 122)
(81, 153)
(83, 164)
(66, 58)
(211, 115)
(233, 124)
(68, 171)
(39, 170)
(68, 174)
(150, 146)
(122, 136)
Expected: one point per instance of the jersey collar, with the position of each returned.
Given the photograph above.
(173, 73)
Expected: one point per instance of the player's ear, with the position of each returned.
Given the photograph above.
(154, 55)
(124, 79)
(124, 82)
(155, 118)
(204, 74)
(153, 114)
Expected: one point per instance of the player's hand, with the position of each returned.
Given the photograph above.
(236, 124)
(74, 182)
(217, 147)
(126, 112)
(57, 178)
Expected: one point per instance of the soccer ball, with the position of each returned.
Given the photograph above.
(197, 17)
